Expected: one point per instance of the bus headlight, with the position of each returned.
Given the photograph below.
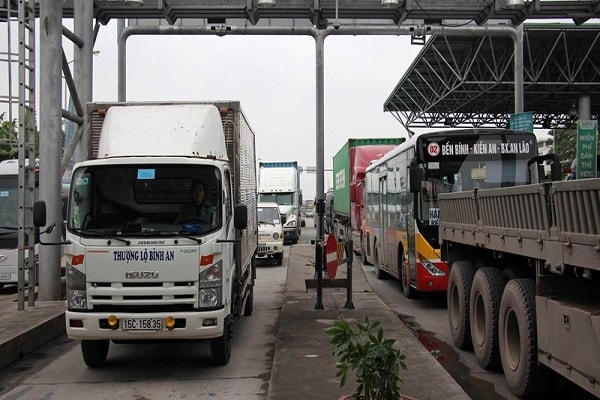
(431, 268)
(76, 291)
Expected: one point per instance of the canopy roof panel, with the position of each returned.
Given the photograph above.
(469, 81)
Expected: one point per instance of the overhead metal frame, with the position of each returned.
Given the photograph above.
(468, 81)
(424, 16)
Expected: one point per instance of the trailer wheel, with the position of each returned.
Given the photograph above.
(486, 295)
(94, 352)
(518, 339)
(459, 289)
(220, 348)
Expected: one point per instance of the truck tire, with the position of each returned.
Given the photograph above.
(486, 295)
(94, 352)
(279, 258)
(459, 290)
(249, 306)
(518, 339)
(220, 348)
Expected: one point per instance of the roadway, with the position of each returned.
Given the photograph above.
(180, 370)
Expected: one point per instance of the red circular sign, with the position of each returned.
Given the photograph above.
(433, 149)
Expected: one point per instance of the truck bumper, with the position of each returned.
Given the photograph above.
(269, 249)
(189, 325)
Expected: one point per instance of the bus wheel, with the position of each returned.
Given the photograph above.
(409, 291)
(518, 339)
(459, 289)
(94, 352)
(379, 273)
(486, 294)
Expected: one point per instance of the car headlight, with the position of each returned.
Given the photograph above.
(76, 290)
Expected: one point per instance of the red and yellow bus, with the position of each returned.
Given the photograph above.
(401, 189)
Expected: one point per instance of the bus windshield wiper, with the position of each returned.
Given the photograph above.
(100, 233)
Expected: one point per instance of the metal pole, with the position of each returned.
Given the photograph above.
(83, 56)
(121, 61)
(518, 68)
(320, 129)
(349, 261)
(49, 142)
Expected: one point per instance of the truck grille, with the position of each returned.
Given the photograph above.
(139, 294)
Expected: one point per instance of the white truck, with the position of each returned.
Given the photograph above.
(279, 182)
(135, 270)
(9, 224)
(270, 233)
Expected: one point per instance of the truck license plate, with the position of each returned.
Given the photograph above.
(142, 324)
(4, 277)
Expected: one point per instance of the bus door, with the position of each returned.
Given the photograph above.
(409, 226)
(383, 219)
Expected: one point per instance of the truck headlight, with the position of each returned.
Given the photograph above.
(211, 286)
(76, 290)
(275, 236)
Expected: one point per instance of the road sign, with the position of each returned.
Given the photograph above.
(521, 121)
(331, 257)
(587, 149)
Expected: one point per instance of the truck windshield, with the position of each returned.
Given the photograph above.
(283, 199)
(145, 200)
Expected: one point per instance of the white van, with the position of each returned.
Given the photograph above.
(270, 232)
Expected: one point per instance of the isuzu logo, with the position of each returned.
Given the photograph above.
(141, 274)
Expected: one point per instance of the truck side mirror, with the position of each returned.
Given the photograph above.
(39, 213)
(416, 176)
(240, 215)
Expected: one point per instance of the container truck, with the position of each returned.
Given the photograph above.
(525, 279)
(279, 182)
(136, 269)
(349, 165)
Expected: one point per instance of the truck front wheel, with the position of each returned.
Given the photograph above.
(94, 352)
(220, 348)
(279, 258)
(518, 339)
(486, 294)
(459, 290)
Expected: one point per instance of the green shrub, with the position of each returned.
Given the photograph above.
(376, 362)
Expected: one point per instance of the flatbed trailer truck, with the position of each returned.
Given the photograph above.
(524, 285)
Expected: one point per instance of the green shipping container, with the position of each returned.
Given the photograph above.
(349, 165)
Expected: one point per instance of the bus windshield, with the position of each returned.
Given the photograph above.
(458, 163)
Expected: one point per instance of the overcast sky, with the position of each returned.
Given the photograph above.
(274, 79)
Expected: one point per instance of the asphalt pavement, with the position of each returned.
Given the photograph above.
(303, 365)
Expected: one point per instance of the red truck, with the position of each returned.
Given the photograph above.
(349, 165)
